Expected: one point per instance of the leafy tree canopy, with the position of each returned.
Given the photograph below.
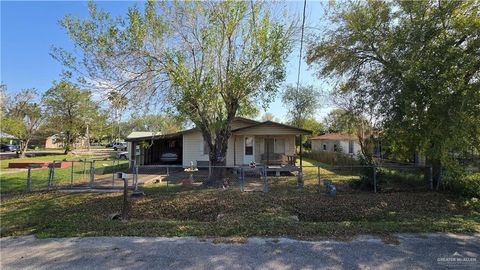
(70, 111)
(416, 63)
(301, 103)
(344, 121)
(209, 61)
(23, 117)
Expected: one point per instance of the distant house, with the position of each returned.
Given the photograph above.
(336, 142)
(267, 142)
(56, 141)
(7, 137)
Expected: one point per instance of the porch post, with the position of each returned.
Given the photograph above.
(234, 150)
(301, 160)
(268, 149)
(300, 173)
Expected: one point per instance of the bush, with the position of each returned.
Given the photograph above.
(468, 185)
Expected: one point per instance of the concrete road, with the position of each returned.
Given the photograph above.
(432, 251)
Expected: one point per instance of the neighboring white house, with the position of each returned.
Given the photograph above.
(266, 142)
(57, 141)
(336, 142)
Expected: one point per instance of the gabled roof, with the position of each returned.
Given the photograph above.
(251, 121)
(136, 136)
(335, 136)
(258, 124)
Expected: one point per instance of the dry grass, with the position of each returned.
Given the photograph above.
(194, 213)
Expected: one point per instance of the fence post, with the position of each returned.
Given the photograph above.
(242, 179)
(92, 173)
(136, 177)
(113, 173)
(168, 171)
(71, 176)
(265, 181)
(29, 174)
(374, 179)
(430, 177)
(53, 174)
(318, 177)
(84, 168)
(51, 167)
(125, 199)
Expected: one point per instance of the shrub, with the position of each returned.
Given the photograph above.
(468, 185)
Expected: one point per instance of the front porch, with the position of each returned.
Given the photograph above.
(278, 153)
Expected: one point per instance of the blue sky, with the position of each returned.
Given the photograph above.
(30, 28)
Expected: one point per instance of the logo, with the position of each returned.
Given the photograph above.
(457, 259)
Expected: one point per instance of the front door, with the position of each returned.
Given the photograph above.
(248, 154)
(269, 149)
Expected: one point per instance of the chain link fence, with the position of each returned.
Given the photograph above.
(71, 174)
(102, 174)
(174, 176)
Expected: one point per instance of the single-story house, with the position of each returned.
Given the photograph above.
(5, 137)
(267, 142)
(56, 141)
(336, 142)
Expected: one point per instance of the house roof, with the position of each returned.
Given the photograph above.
(258, 124)
(335, 136)
(6, 136)
(137, 136)
(142, 134)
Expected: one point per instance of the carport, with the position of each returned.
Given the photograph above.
(146, 148)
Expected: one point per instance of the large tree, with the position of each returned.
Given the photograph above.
(153, 123)
(210, 61)
(341, 120)
(416, 64)
(23, 117)
(71, 112)
(302, 103)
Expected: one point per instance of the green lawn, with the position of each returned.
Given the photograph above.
(14, 180)
(193, 212)
(181, 211)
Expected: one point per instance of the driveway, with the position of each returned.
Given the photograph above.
(432, 251)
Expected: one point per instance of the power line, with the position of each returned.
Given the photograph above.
(301, 44)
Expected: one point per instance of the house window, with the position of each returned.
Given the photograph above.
(324, 147)
(280, 146)
(249, 146)
(335, 149)
(206, 149)
(350, 147)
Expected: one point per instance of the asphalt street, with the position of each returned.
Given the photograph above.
(431, 251)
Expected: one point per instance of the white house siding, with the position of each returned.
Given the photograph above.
(317, 146)
(288, 146)
(238, 149)
(193, 142)
(193, 148)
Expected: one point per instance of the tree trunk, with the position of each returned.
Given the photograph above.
(68, 144)
(218, 161)
(437, 173)
(24, 149)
